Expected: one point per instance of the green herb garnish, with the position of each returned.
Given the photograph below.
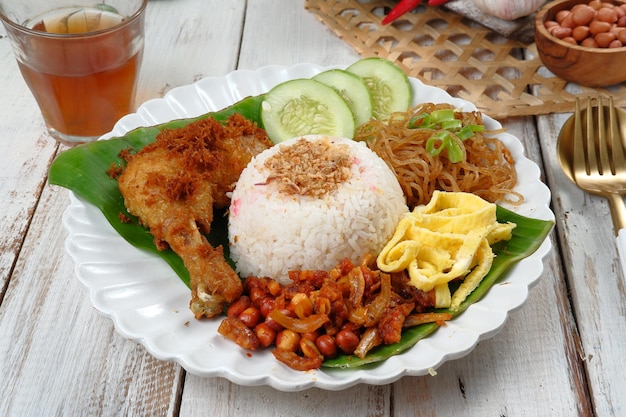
(448, 133)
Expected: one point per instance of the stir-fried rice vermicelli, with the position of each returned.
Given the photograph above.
(487, 168)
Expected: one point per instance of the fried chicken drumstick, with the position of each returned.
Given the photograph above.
(172, 186)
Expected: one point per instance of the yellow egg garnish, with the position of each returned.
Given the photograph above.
(447, 239)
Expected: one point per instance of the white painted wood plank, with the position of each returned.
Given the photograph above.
(504, 369)
(296, 36)
(281, 32)
(226, 399)
(532, 354)
(594, 278)
(25, 152)
(61, 356)
(187, 40)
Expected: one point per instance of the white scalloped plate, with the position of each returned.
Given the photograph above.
(149, 304)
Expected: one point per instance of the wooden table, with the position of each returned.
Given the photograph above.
(561, 354)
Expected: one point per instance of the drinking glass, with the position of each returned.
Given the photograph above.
(81, 62)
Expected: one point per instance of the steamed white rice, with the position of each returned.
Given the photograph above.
(271, 233)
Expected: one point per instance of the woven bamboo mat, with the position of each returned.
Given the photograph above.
(502, 77)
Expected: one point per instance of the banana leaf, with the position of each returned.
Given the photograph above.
(83, 169)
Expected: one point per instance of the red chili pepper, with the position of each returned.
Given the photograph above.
(437, 2)
(401, 8)
(405, 6)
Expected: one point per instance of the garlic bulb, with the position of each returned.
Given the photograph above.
(509, 9)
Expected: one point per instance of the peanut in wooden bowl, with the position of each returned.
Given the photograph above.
(590, 67)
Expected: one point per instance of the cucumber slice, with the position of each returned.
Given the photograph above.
(388, 84)
(352, 89)
(303, 107)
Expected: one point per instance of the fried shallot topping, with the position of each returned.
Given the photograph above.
(310, 168)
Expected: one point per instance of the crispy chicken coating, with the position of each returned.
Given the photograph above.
(173, 184)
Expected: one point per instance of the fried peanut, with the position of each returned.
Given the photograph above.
(596, 24)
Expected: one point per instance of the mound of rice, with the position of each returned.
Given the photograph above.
(310, 202)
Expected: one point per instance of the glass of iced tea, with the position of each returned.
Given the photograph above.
(80, 62)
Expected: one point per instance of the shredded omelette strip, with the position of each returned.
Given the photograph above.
(448, 239)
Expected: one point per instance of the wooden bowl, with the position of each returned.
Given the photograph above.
(591, 67)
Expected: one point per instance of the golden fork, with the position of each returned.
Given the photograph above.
(599, 162)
